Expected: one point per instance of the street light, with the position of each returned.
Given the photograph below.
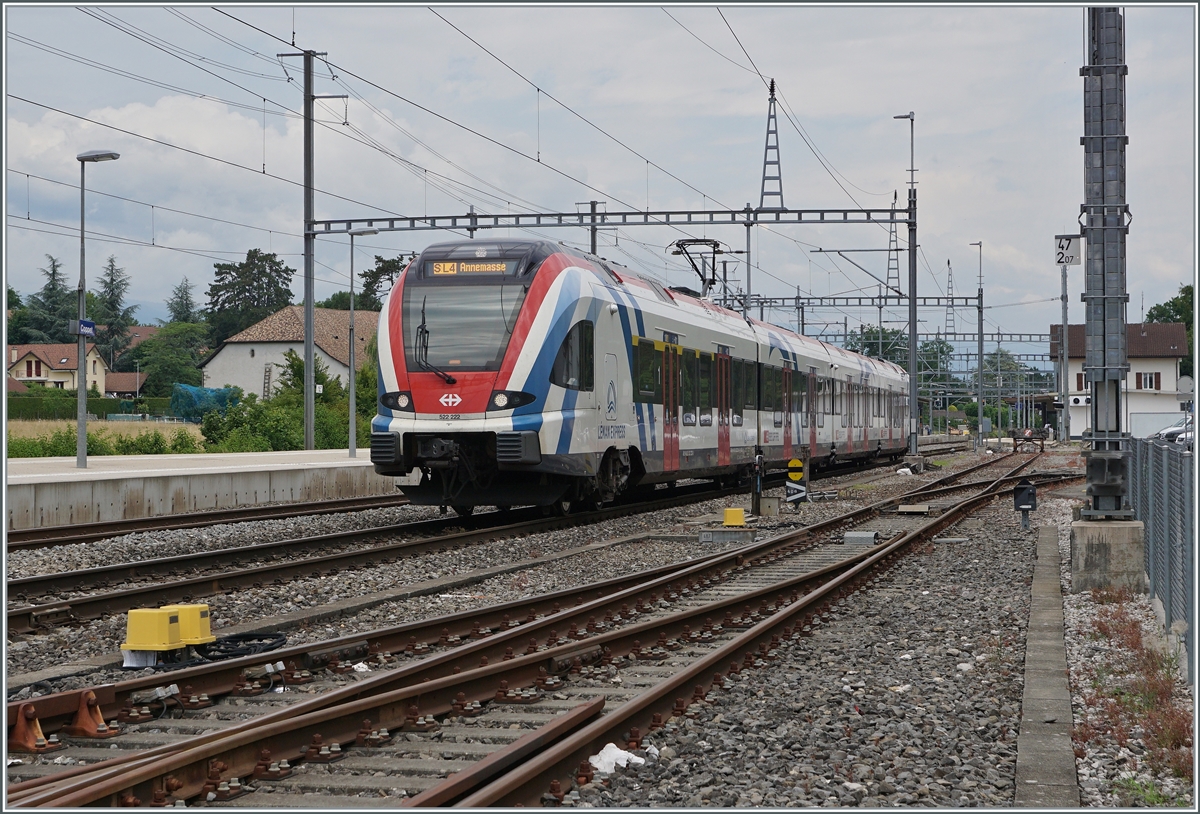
(81, 376)
(353, 418)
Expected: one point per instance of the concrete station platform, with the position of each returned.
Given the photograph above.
(53, 492)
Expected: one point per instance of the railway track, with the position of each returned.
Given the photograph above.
(92, 593)
(785, 569)
(48, 536)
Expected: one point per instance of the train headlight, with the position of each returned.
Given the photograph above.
(397, 401)
(509, 399)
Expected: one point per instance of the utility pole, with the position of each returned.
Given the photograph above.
(979, 307)
(749, 264)
(310, 241)
(914, 405)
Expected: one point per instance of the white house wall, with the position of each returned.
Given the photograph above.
(1132, 399)
(242, 364)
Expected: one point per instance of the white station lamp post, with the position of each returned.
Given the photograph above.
(353, 416)
(81, 375)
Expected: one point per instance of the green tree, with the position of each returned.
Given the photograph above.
(18, 317)
(248, 292)
(340, 301)
(180, 306)
(172, 355)
(1180, 308)
(377, 282)
(111, 312)
(49, 310)
(291, 380)
(887, 344)
(934, 361)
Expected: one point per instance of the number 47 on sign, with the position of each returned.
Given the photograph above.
(1066, 250)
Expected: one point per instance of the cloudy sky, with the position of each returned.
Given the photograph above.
(539, 109)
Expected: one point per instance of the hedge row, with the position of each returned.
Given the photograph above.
(62, 444)
(41, 407)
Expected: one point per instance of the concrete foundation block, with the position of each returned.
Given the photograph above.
(1108, 554)
(915, 462)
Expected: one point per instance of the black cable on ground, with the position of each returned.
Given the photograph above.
(236, 646)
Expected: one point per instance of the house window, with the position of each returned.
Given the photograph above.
(1149, 381)
(1079, 381)
(37, 368)
(252, 353)
(93, 367)
(28, 369)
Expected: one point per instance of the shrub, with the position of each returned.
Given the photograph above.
(183, 441)
(242, 440)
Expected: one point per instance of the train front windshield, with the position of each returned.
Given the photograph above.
(460, 320)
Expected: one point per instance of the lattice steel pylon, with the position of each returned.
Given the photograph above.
(771, 160)
(950, 327)
(1104, 218)
(893, 278)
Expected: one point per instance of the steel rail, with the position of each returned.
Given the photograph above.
(26, 618)
(239, 750)
(56, 710)
(528, 784)
(48, 536)
(463, 658)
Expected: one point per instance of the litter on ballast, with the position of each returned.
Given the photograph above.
(612, 756)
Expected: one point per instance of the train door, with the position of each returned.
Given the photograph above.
(811, 403)
(724, 414)
(670, 391)
(787, 412)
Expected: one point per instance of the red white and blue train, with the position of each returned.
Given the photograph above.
(523, 372)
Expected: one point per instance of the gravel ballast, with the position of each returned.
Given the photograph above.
(907, 695)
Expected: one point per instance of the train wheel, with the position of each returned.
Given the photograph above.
(463, 511)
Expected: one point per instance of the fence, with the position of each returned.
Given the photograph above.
(1161, 491)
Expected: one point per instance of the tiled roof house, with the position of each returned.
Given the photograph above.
(248, 359)
(55, 365)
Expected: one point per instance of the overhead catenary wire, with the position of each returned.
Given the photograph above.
(541, 91)
(441, 117)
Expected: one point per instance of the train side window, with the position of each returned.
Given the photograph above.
(649, 372)
(689, 372)
(750, 390)
(574, 365)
